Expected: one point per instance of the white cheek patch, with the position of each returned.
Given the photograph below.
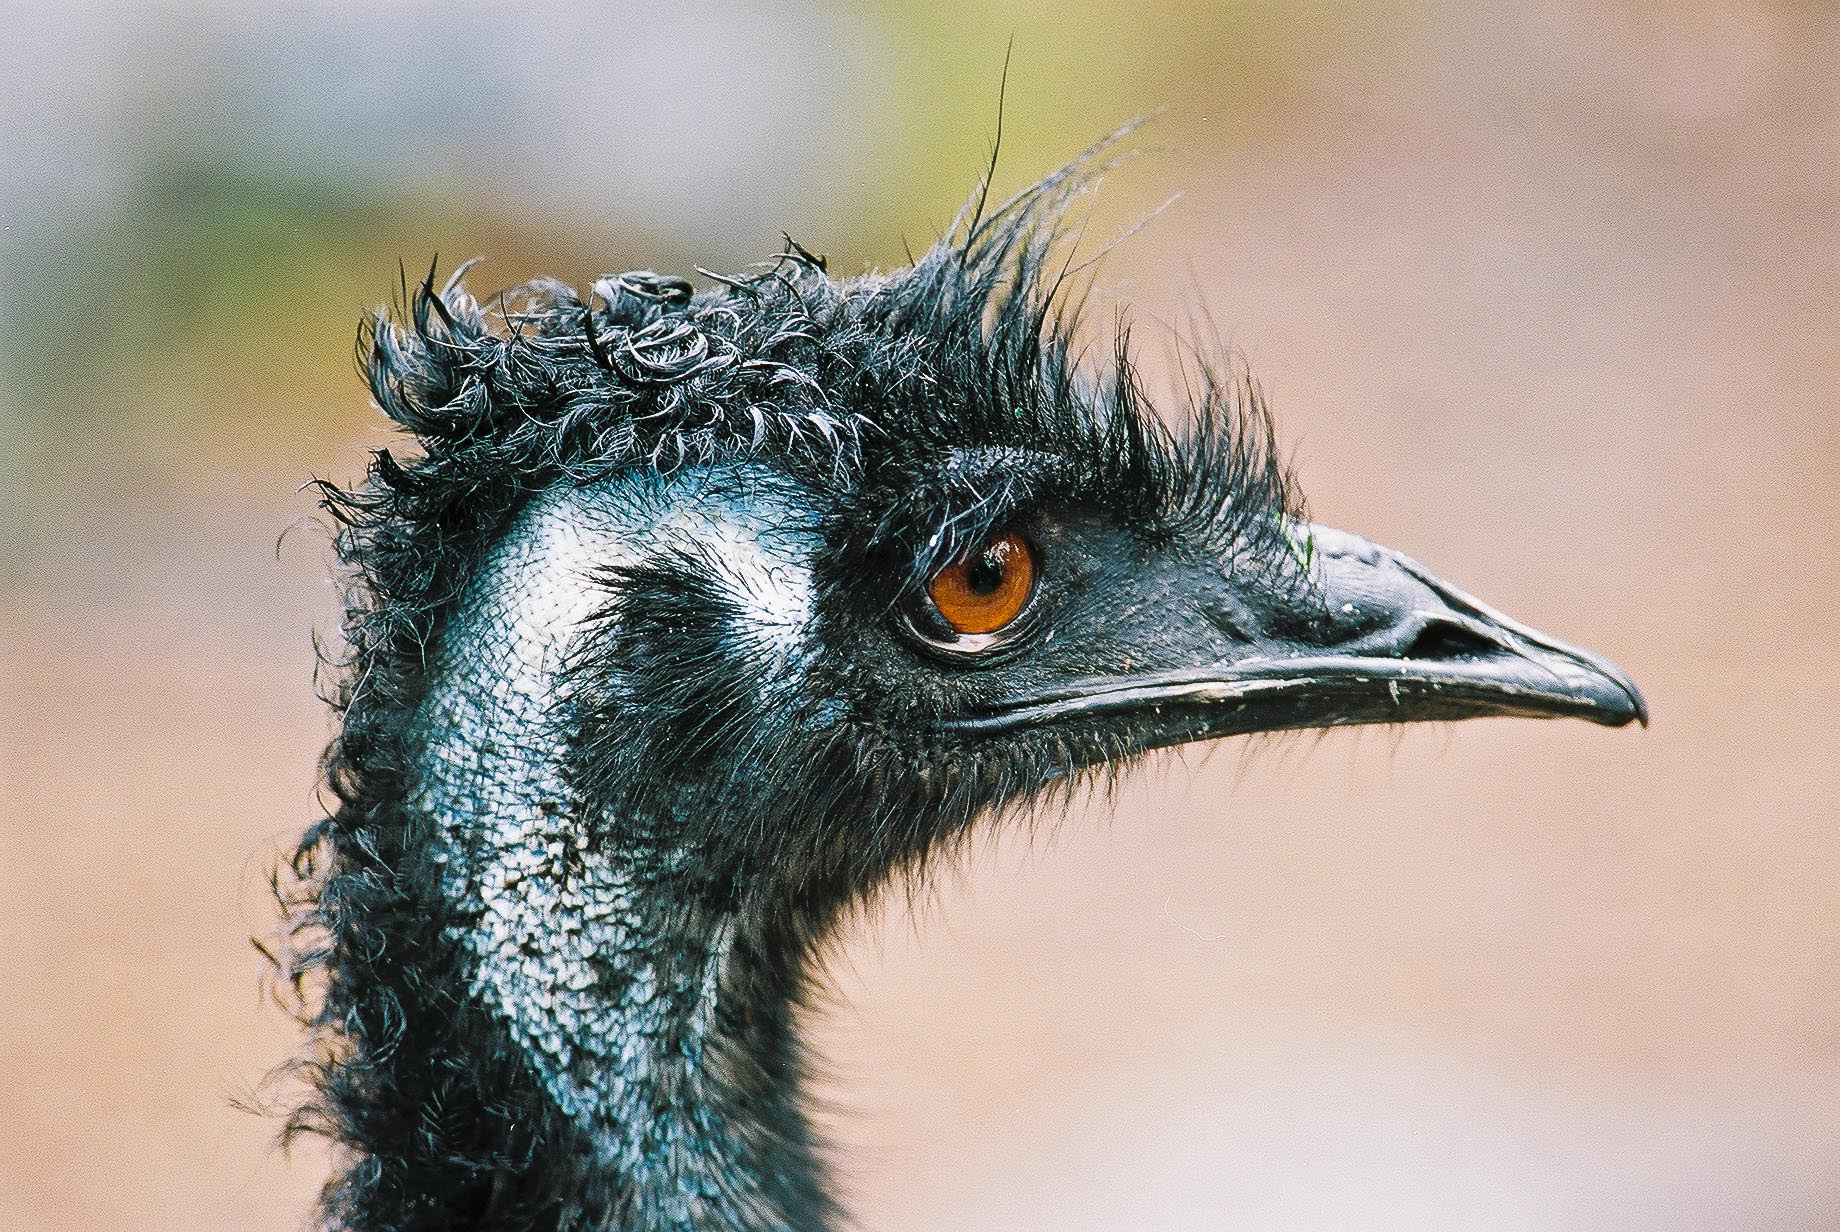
(767, 578)
(555, 925)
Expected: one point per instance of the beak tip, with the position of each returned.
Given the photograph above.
(1638, 705)
(1617, 700)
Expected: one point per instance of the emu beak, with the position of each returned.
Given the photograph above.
(1391, 628)
(1374, 639)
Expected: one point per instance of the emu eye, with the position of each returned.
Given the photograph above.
(986, 591)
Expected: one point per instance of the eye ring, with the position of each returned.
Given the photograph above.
(980, 602)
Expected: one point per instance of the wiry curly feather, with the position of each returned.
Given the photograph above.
(868, 390)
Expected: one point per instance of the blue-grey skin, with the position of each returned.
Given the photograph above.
(569, 921)
(647, 685)
(612, 1015)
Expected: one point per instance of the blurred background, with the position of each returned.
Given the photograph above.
(1548, 298)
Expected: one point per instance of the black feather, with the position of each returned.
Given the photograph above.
(903, 398)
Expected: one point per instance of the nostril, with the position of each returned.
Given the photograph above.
(1441, 641)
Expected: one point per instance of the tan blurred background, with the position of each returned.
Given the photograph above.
(1548, 298)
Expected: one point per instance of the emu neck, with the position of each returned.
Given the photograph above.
(597, 945)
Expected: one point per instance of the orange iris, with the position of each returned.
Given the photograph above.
(987, 590)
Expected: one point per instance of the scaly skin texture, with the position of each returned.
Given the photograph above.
(625, 721)
(645, 687)
(592, 938)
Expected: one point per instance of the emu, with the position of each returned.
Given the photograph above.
(696, 617)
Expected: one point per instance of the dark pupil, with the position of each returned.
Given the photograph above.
(985, 574)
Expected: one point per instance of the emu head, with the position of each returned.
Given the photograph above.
(700, 614)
